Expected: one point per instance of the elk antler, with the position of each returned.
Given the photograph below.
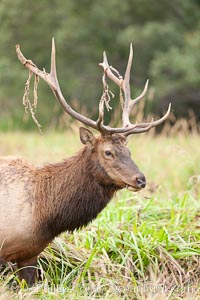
(128, 103)
(52, 80)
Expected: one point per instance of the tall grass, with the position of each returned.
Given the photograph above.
(142, 246)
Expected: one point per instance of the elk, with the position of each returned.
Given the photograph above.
(39, 203)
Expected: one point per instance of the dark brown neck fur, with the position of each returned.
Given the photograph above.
(76, 190)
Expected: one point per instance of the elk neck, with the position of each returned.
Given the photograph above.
(70, 194)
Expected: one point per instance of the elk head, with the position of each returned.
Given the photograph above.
(109, 153)
(109, 148)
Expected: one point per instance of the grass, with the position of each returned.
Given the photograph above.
(142, 246)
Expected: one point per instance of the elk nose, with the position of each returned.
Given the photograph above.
(140, 181)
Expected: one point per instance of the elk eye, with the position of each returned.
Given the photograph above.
(108, 153)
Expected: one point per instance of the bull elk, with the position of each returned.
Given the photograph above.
(38, 203)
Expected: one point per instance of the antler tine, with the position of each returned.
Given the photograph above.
(126, 89)
(53, 72)
(126, 83)
(137, 129)
(129, 102)
(144, 127)
(137, 99)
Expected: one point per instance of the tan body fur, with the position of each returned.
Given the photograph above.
(17, 186)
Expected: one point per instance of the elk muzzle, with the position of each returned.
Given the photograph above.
(138, 182)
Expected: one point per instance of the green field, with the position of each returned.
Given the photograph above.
(142, 246)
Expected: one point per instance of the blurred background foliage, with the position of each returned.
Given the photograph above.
(166, 41)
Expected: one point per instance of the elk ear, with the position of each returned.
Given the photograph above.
(86, 136)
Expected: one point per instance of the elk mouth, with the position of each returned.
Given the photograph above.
(139, 183)
(132, 188)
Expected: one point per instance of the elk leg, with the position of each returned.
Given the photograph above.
(1, 261)
(28, 271)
